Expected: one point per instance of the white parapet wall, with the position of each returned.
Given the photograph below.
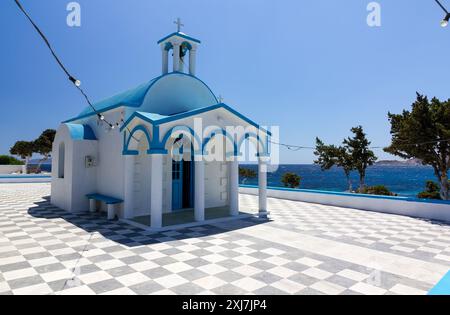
(25, 179)
(9, 169)
(413, 207)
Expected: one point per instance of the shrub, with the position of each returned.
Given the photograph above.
(432, 191)
(9, 160)
(34, 170)
(247, 173)
(379, 190)
(291, 180)
(428, 195)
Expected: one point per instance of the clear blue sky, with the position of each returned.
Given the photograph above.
(312, 67)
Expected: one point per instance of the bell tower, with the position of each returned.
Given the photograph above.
(182, 47)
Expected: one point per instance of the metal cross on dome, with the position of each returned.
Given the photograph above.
(179, 24)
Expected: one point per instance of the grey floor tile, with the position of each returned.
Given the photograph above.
(105, 286)
(25, 282)
(156, 273)
(146, 288)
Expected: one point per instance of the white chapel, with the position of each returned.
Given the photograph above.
(165, 146)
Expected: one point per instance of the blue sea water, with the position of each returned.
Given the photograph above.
(402, 180)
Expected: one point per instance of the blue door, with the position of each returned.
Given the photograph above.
(177, 185)
(182, 180)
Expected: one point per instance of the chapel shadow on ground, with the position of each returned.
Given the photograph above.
(131, 236)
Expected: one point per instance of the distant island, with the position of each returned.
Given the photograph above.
(411, 162)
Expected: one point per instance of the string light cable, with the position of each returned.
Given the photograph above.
(76, 82)
(293, 147)
(446, 19)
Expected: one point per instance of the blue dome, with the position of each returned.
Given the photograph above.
(177, 93)
(168, 94)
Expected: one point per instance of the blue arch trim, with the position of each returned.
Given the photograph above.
(158, 119)
(182, 128)
(223, 132)
(168, 46)
(126, 141)
(249, 135)
(81, 132)
(156, 147)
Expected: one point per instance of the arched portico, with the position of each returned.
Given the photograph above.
(212, 153)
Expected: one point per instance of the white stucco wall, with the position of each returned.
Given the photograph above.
(110, 162)
(400, 206)
(167, 184)
(61, 190)
(69, 193)
(84, 179)
(216, 184)
(142, 182)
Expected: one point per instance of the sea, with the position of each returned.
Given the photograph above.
(403, 180)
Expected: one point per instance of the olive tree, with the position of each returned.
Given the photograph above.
(424, 133)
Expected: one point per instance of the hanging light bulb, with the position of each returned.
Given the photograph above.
(75, 81)
(444, 22)
(101, 117)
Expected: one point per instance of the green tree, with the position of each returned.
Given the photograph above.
(362, 156)
(24, 149)
(9, 160)
(43, 145)
(424, 133)
(330, 155)
(291, 180)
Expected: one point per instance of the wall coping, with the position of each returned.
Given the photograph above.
(23, 176)
(346, 194)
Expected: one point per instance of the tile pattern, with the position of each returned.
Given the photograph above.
(411, 237)
(45, 250)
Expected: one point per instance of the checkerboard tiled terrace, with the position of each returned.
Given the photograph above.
(305, 249)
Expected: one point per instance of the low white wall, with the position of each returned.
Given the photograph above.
(9, 169)
(433, 210)
(26, 179)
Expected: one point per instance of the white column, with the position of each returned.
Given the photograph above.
(234, 186)
(192, 57)
(165, 60)
(156, 190)
(176, 56)
(92, 205)
(199, 201)
(262, 187)
(128, 212)
(111, 212)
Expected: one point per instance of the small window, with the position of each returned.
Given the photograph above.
(61, 160)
